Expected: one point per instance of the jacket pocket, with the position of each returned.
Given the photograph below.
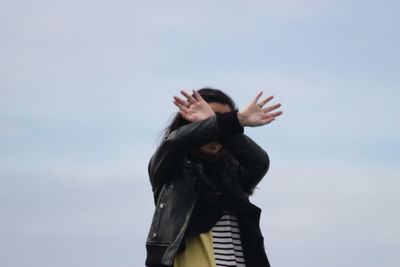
(155, 234)
(171, 216)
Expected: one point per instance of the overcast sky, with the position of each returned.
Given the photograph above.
(86, 88)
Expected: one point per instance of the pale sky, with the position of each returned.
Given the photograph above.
(86, 88)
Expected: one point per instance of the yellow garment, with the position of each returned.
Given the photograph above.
(199, 252)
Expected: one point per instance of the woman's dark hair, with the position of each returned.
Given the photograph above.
(209, 95)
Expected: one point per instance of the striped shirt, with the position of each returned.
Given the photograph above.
(226, 242)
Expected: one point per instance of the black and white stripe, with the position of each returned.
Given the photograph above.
(226, 242)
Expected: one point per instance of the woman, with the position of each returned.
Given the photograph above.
(202, 175)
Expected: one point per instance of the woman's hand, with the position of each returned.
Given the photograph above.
(254, 115)
(195, 108)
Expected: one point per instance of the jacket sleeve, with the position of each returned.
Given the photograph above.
(253, 160)
(180, 142)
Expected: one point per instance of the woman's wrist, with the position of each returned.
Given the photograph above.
(241, 119)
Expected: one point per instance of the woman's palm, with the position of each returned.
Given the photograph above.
(195, 108)
(255, 115)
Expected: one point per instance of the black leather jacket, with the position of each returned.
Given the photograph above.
(176, 181)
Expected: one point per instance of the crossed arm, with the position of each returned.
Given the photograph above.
(195, 108)
(205, 128)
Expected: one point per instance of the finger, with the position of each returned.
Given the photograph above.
(268, 109)
(273, 115)
(197, 96)
(183, 114)
(271, 120)
(181, 101)
(186, 116)
(177, 104)
(257, 97)
(189, 97)
(265, 101)
(267, 120)
(180, 106)
(276, 114)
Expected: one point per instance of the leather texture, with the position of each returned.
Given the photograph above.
(176, 180)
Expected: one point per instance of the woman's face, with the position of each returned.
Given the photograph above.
(214, 147)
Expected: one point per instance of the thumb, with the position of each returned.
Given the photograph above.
(185, 115)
